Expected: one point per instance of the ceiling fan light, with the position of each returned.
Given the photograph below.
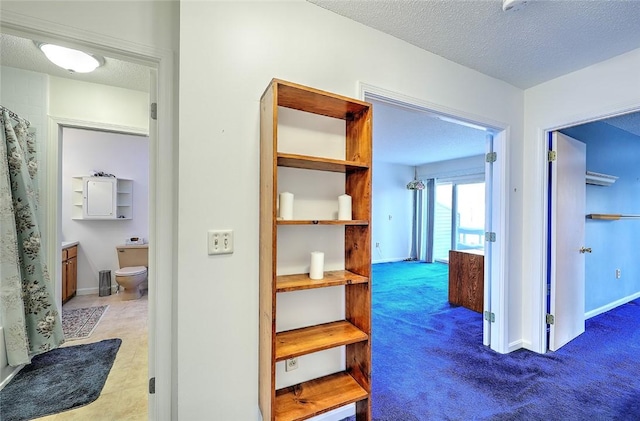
(70, 59)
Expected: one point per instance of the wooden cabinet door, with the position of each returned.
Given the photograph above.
(72, 276)
(64, 275)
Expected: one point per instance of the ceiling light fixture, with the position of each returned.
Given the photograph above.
(70, 59)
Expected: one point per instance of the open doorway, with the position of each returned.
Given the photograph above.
(494, 169)
(89, 105)
(608, 217)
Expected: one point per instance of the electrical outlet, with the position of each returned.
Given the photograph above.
(618, 273)
(291, 364)
(377, 245)
(220, 241)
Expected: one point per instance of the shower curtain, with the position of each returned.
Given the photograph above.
(30, 319)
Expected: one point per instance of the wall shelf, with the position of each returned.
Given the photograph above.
(598, 179)
(611, 216)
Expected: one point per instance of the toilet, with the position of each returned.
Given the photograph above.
(133, 261)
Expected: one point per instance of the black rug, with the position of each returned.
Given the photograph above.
(58, 380)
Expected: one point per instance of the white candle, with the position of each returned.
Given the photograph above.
(344, 207)
(286, 205)
(317, 265)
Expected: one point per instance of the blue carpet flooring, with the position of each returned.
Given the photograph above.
(429, 362)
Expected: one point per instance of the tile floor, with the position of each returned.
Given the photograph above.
(124, 396)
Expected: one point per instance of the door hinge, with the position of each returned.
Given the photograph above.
(489, 316)
(550, 319)
(551, 156)
(491, 157)
(154, 110)
(490, 237)
(152, 385)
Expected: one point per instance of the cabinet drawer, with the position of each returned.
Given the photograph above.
(69, 252)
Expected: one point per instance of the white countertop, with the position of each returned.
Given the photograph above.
(67, 244)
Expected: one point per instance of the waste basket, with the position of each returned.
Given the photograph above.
(105, 283)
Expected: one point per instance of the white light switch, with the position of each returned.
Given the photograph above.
(220, 241)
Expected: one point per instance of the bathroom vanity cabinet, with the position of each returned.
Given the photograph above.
(102, 198)
(69, 272)
(285, 247)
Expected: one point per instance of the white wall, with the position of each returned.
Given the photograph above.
(125, 156)
(76, 100)
(610, 87)
(453, 168)
(229, 51)
(392, 212)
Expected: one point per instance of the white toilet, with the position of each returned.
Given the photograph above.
(133, 261)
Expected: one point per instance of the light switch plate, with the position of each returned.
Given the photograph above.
(220, 241)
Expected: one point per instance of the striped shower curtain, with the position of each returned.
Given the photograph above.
(29, 315)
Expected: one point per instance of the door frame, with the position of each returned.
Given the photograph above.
(539, 340)
(497, 262)
(162, 191)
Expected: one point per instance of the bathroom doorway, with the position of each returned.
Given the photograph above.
(159, 69)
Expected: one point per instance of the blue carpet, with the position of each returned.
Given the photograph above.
(429, 362)
(59, 380)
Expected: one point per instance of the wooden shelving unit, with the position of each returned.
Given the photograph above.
(353, 384)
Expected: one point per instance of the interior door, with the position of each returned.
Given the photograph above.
(567, 226)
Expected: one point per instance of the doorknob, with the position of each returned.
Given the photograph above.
(585, 249)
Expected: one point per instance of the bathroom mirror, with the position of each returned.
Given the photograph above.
(100, 198)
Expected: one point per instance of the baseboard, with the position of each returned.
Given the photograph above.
(93, 291)
(513, 346)
(611, 305)
(395, 259)
(337, 414)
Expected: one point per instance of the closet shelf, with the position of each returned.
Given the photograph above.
(297, 282)
(611, 216)
(317, 396)
(598, 179)
(297, 342)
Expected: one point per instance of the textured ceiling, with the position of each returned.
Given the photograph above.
(23, 54)
(538, 42)
(411, 137)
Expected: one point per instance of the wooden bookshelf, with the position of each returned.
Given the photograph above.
(317, 396)
(322, 222)
(294, 343)
(353, 384)
(288, 283)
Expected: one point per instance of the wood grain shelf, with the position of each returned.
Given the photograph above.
(297, 342)
(605, 216)
(321, 222)
(353, 385)
(317, 396)
(318, 163)
(611, 216)
(297, 282)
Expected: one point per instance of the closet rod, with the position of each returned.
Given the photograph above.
(14, 115)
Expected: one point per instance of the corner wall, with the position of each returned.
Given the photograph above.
(392, 212)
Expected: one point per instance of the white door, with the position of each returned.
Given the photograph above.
(152, 277)
(567, 223)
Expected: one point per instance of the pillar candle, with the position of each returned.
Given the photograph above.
(317, 265)
(286, 205)
(344, 207)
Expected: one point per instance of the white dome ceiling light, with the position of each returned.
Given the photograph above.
(70, 59)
